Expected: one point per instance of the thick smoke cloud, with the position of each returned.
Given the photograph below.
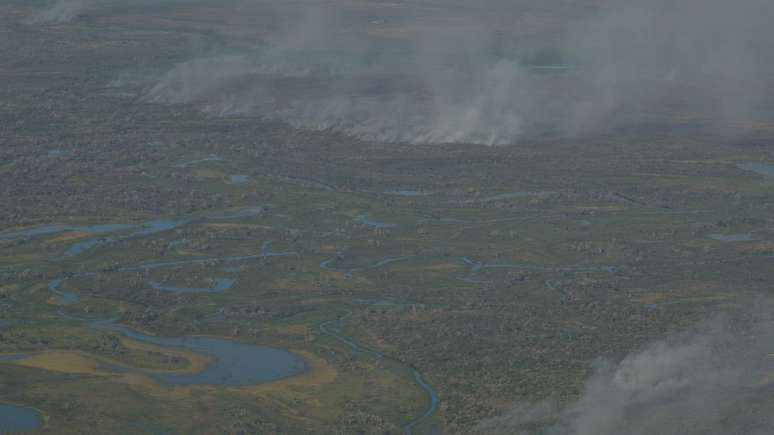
(596, 66)
(446, 88)
(61, 11)
(709, 58)
(714, 380)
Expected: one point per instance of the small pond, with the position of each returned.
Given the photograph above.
(14, 419)
(238, 179)
(235, 363)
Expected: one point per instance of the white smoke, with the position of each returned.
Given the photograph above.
(621, 63)
(311, 90)
(61, 11)
(716, 380)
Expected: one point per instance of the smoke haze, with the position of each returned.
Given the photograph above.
(496, 72)
(61, 11)
(714, 380)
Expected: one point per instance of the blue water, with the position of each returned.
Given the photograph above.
(148, 228)
(19, 419)
(238, 179)
(364, 220)
(409, 427)
(235, 363)
(443, 220)
(158, 265)
(332, 328)
(742, 237)
(210, 158)
(326, 264)
(243, 213)
(13, 358)
(157, 226)
(764, 169)
(62, 297)
(219, 285)
(307, 182)
(78, 248)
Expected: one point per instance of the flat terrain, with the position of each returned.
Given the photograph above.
(424, 287)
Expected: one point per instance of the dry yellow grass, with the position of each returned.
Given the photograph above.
(188, 253)
(292, 284)
(64, 361)
(312, 398)
(299, 397)
(707, 298)
(67, 361)
(650, 298)
(757, 247)
(197, 362)
(235, 226)
(21, 258)
(444, 266)
(318, 373)
(293, 329)
(8, 288)
(601, 208)
(686, 292)
(70, 236)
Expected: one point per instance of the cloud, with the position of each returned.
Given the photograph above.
(713, 380)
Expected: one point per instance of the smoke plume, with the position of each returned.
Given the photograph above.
(61, 11)
(714, 380)
(496, 72)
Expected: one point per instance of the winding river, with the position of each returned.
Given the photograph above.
(219, 284)
(333, 328)
(327, 265)
(106, 231)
